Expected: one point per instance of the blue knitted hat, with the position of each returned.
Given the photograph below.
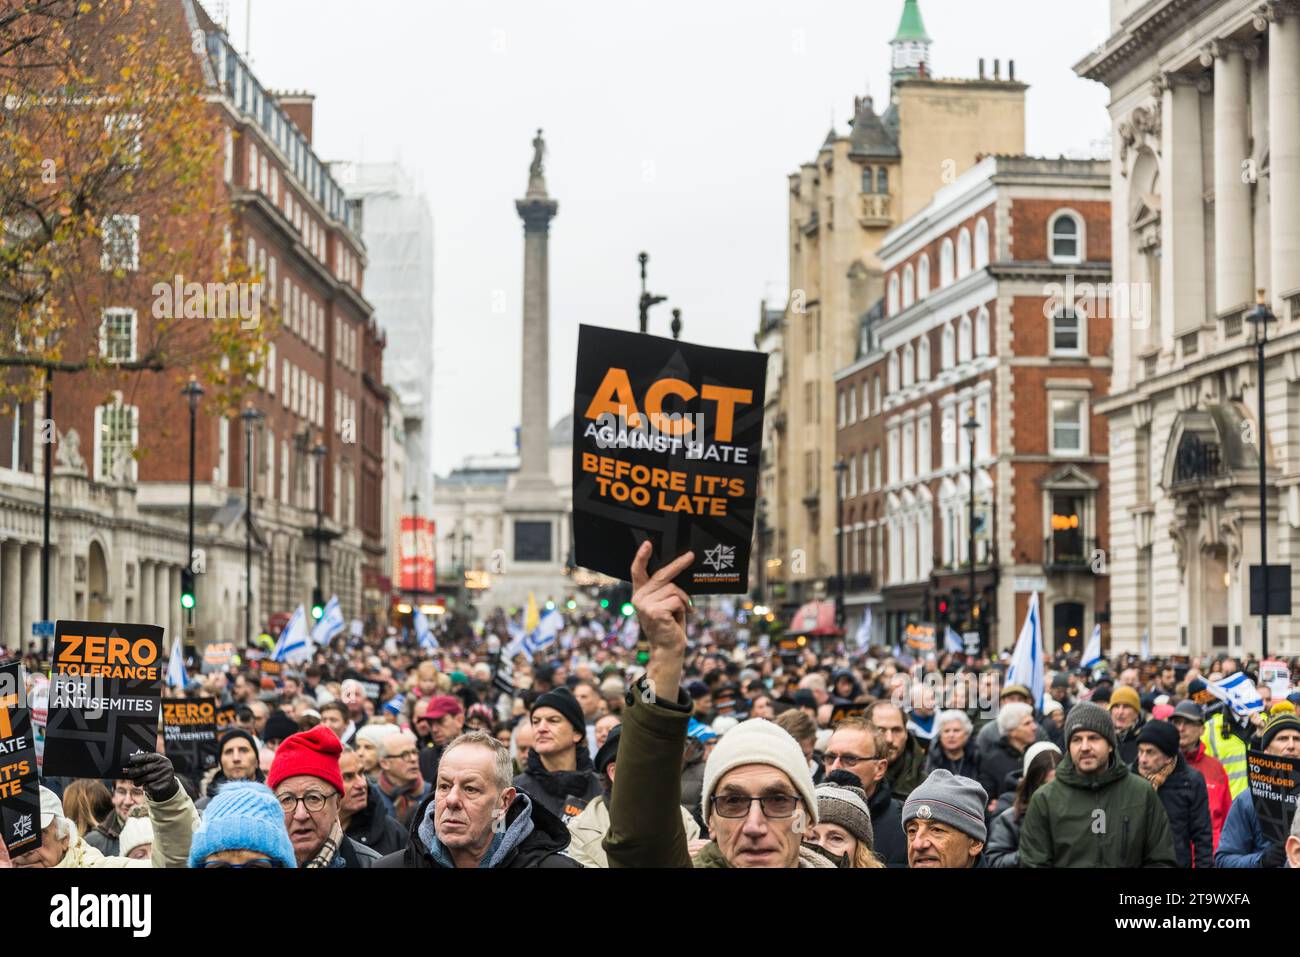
(243, 816)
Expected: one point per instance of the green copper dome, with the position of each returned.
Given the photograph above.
(911, 26)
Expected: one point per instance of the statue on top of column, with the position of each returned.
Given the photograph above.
(539, 151)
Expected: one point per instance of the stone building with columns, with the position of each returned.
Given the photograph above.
(1205, 181)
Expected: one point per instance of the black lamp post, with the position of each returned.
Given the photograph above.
(45, 519)
(318, 451)
(647, 300)
(192, 392)
(971, 426)
(677, 324)
(1259, 318)
(251, 417)
(840, 468)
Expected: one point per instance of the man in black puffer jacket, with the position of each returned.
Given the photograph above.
(474, 818)
(560, 776)
(1182, 792)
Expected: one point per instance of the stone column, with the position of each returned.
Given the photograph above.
(1182, 221)
(1284, 151)
(176, 614)
(31, 599)
(160, 594)
(146, 606)
(11, 573)
(1233, 245)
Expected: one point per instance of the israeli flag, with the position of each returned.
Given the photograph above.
(1092, 652)
(548, 627)
(863, 637)
(176, 676)
(422, 633)
(1238, 692)
(331, 622)
(952, 641)
(1026, 666)
(294, 643)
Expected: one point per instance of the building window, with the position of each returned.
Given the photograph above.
(1065, 238)
(982, 332)
(909, 447)
(1067, 332)
(893, 372)
(964, 339)
(875, 392)
(963, 253)
(252, 166)
(949, 437)
(866, 472)
(1067, 425)
(120, 235)
(876, 472)
(923, 359)
(893, 455)
(909, 365)
(923, 276)
(948, 358)
(852, 397)
(882, 180)
(908, 285)
(840, 417)
(923, 445)
(868, 183)
(117, 335)
(117, 429)
(893, 294)
(945, 263)
(981, 243)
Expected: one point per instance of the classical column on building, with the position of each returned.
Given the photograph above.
(31, 597)
(146, 606)
(11, 587)
(175, 621)
(1284, 149)
(1182, 219)
(1233, 243)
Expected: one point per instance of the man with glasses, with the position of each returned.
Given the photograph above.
(401, 786)
(859, 747)
(307, 782)
(104, 838)
(758, 799)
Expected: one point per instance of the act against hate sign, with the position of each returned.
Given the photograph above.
(667, 439)
(20, 800)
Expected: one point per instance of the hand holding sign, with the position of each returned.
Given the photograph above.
(661, 611)
(154, 773)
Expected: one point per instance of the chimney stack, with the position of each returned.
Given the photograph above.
(1011, 70)
(981, 68)
(298, 107)
(997, 69)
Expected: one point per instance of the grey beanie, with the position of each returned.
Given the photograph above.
(1086, 716)
(847, 807)
(951, 799)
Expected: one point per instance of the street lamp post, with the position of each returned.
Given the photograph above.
(251, 417)
(318, 450)
(840, 468)
(647, 300)
(192, 392)
(1259, 318)
(971, 426)
(45, 522)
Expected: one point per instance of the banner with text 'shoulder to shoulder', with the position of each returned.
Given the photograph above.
(20, 796)
(105, 684)
(666, 444)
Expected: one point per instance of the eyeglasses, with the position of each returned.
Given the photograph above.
(257, 863)
(314, 800)
(846, 760)
(128, 792)
(738, 805)
(405, 755)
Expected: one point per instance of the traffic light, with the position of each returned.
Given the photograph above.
(628, 610)
(187, 589)
(604, 603)
(317, 604)
(941, 607)
(571, 604)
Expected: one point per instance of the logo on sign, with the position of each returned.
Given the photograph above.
(720, 557)
(23, 827)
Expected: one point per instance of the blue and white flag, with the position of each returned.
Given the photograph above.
(548, 627)
(630, 633)
(294, 644)
(1239, 692)
(1092, 651)
(952, 641)
(863, 637)
(176, 676)
(422, 633)
(1026, 666)
(331, 622)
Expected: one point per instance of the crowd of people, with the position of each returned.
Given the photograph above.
(701, 742)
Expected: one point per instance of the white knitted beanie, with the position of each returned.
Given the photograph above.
(759, 741)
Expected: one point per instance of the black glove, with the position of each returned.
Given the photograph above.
(1275, 856)
(154, 773)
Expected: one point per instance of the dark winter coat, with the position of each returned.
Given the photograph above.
(1187, 802)
(533, 837)
(374, 827)
(890, 843)
(968, 765)
(563, 793)
(1003, 847)
(1111, 818)
(996, 763)
(1128, 743)
(907, 773)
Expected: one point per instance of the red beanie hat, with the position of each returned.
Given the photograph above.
(315, 752)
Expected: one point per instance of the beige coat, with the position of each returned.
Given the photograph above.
(174, 823)
(588, 829)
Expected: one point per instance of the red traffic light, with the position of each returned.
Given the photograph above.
(943, 606)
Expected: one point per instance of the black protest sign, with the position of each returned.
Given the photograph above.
(1274, 789)
(666, 444)
(225, 718)
(190, 733)
(105, 684)
(20, 796)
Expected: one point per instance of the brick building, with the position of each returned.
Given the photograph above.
(985, 314)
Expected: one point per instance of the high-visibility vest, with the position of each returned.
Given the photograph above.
(1230, 750)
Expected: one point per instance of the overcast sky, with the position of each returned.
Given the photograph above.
(670, 127)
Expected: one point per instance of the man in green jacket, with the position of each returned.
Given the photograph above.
(1095, 813)
(758, 797)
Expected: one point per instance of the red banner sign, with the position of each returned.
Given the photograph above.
(417, 559)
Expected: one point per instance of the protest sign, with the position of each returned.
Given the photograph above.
(20, 796)
(666, 446)
(224, 718)
(190, 733)
(39, 699)
(217, 656)
(105, 684)
(1274, 788)
(1276, 675)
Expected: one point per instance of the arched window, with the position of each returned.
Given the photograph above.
(908, 286)
(981, 243)
(1065, 238)
(963, 253)
(875, 393)
(945, 263)
(893, 372)
(868, 184)
(923, 276)
(882, 180)
(923, 359)
(982, 332)
(909, 366)
(923, 444)
(948, 358)
(963, 340)
(892, 304)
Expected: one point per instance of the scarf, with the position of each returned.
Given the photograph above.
(1161, 776)
(328, 852)
(401, 796)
